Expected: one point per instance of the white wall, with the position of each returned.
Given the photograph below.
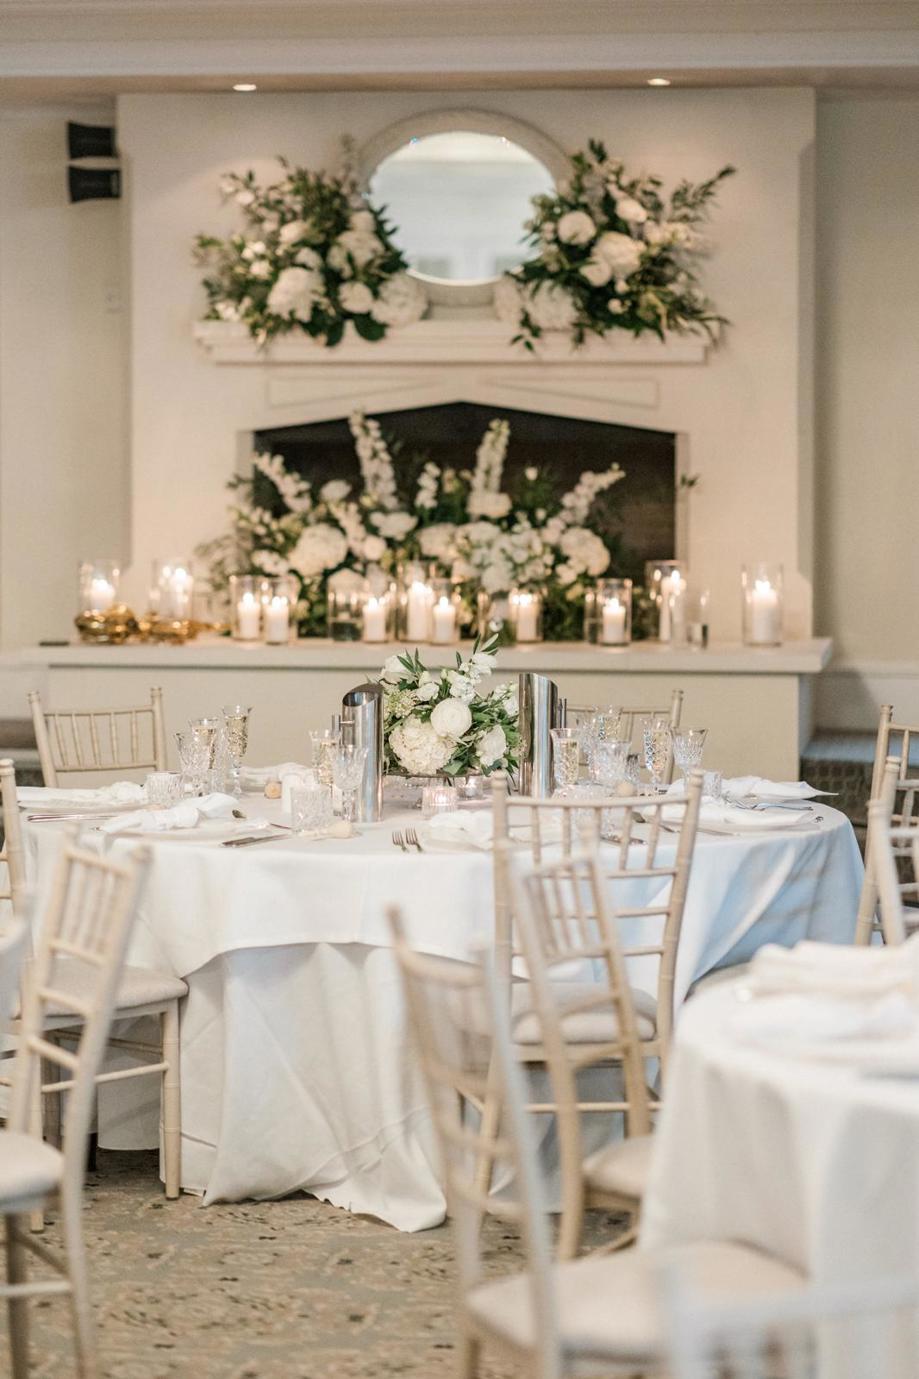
(868, 404)
(752, 453)
(63, 471)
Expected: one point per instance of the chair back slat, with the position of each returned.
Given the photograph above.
(632, 722)
(883, 915)
(77, 741)
(12, 854)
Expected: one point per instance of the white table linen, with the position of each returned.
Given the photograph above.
(800, 1149)
(294, 1059)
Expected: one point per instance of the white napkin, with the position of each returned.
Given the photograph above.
(463, 827)
(257, 777)
(796, 1020)
(122, 792)
(758, 787)
(188, 814)
(735, 819)
(836, 970)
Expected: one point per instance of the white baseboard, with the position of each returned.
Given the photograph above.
(850, 694)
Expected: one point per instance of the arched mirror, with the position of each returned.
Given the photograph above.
(458, 187)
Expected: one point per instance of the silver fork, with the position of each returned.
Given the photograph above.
(399, 841)
(413, 839)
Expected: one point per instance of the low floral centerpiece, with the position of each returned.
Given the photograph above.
(314, 256)
(440, 723)
(612, 254)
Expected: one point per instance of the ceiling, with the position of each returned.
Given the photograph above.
(51, 50)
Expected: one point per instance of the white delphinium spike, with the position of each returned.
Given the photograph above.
(375, 460)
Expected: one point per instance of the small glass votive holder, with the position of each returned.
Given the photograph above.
(608, 613)
(445, 612)
(311, 809)
(524, 615)
(246, 607)
(345, 596)
(712, 785)
(763, 593)
(163, 788)
(378, 614)
(278, 599)
(98, 585)
(697, 626)
(667, 583)
(438, 799)
(172, 589)
(416, 601)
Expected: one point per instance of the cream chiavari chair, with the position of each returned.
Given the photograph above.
(895, 847)
(632, 723)
(142, 992)
(79, 741)
(566, 918)
(883, 751)
(582, 1316)
(794, 1335)
(896, 804)
(89, 918)
(12, 854)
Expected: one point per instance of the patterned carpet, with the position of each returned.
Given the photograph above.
(280, 1290)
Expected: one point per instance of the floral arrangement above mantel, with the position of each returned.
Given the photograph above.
(611, 254)
(479, 531)
(440, 723)
(315, 256)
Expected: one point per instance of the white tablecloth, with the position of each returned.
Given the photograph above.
(294, 1066)
(796, 1151)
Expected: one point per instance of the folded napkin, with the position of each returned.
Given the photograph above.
(734, 818)
(843, 972)
(476, 828)
(257, 777)
(758, 787)
(122, 792)
(188, 814)
(796, 1020)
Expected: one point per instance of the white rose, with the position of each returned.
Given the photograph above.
(576, 227)
(337, 258)
(426, 692)
(621, 252)
(360, 245)
(320, 548)
(552, 307)
(401, 301)
(393, 671)
(596, 272)
(373, 548)
(291, 232)
(437, 540)
(363, 221)
(395, 526)
(295, 293)
(335, 491)
(356, 298)
(491, 746)
(630, 210)
(451, 718)
(418, 748)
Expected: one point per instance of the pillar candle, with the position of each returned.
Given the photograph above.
(613, 631)
(418, 612)
(444, 621)
(248, 618)
(101, 595)
(375, 620)
(527, 618)
(765, 614)
(277, 620)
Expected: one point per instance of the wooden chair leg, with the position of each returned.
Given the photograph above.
(84, 1339)
(171, 1101)
(489, 1127)
(51, 1103)
(18, 1308)
(469, 1350)
(36, 1127)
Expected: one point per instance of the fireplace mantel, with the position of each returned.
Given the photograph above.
(439, 341)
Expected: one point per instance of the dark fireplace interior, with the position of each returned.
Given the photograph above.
(640, 522)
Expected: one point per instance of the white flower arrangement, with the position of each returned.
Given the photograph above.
(440, 723)
(611, 253)
(314, 256)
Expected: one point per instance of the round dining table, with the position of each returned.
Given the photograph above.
(296, 1068)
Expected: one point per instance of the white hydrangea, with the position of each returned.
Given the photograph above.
(308, 258)
(492, 505)
(597, 272)
(363, 222)
(630, 210)
(295, 293)
(418, 748)
(576, 227)
(373, 548)
(291, 232)
(338, 259)
(395, 526)
(401, 301)
(356, 297)
(620, 252)
(552, 307)
(321, 547)
(437, 541)
(362, 245)
(585, 551)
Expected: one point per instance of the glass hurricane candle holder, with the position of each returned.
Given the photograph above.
(172, 588)
(278, 599)
(345, 596)
(416, 601)
(99, 580)
(608, 613)
(246, 607)
(524, 610)
(667, 584)
(445, 613)
(763, 591)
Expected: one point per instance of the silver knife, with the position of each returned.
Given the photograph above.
(258, 838)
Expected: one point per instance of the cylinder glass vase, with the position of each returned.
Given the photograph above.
(525, 607)
(608, 613)
(763, 594)
(667, 584)
(246, 607)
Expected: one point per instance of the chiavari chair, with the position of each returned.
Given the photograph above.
(76, 742)
(896, 805)
(632, 722)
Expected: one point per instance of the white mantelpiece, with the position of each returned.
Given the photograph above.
(444, 341)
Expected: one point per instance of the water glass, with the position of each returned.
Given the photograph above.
(713, 785)
(348, 774)
(194, 759)
(658, 743)
(235, 734)
(322, 745)
(566, 758)
(311, 808)
(688, 744)
(207, 731)
(609, 761)
(163, 788)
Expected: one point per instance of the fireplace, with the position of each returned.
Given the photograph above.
(641, 525)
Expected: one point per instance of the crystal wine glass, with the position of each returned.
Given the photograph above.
(236, 740)
(207, 731)
(658, 743)
(322, 745)
(688, 744)
(566, 758)
(193, 759)
(609, 761)
(347, 773)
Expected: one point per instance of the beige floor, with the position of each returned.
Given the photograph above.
(280, 1290)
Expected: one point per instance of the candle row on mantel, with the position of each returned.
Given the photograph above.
(262, 610)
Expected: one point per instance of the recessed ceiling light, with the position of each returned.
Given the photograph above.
(658, 81)
(248, 86)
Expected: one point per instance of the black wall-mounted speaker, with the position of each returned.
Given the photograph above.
(90, 141)
(94, 184)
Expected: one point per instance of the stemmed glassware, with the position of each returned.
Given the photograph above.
(235, 735)
(207, 732)
(688, 744)
(323, 743)
(658, 744)
(609, 761)
(566, 758)
(194, 759)
(347, 773)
